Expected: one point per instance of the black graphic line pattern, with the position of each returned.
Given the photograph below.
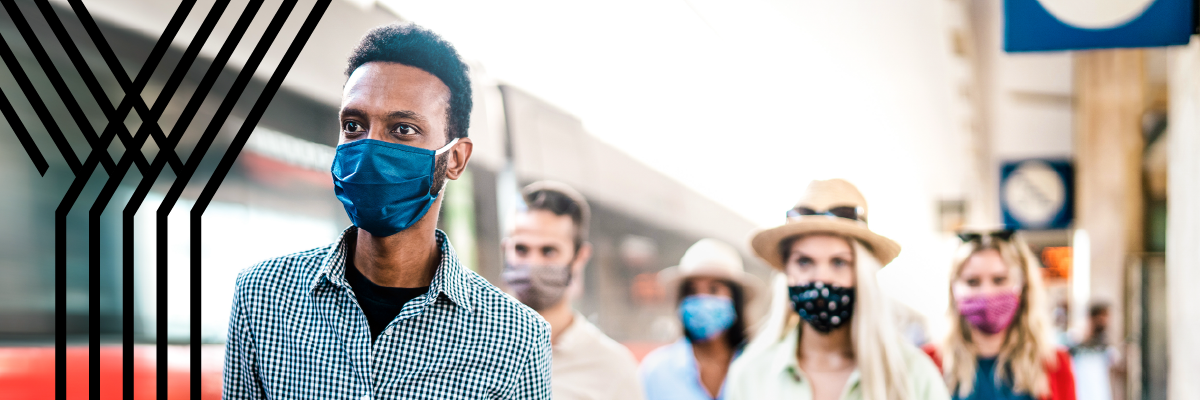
(226, 163)
(132, 155)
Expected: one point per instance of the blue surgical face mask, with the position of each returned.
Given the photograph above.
(706, 316)
(384, 186)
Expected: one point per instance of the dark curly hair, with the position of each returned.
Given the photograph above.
(415, 46)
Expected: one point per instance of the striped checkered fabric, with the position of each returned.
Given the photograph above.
(296, 332)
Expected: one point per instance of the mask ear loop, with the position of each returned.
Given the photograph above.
(446, 147)
(439, 152)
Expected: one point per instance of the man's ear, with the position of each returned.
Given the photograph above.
(581, 257)
(457, 157)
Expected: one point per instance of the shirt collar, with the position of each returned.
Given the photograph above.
(784, 359)
(565, 338)
(450, 279)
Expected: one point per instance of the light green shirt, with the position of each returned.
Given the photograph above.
(774, 373)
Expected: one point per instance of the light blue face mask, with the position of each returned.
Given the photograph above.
(706, 316)
(384, 186)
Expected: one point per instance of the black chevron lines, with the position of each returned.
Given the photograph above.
(98, 142)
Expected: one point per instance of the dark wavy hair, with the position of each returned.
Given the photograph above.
(560, 199)
(735, 336)
(415, 46)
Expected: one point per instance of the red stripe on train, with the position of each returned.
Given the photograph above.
(28, 372)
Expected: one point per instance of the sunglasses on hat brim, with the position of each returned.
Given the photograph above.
(1001, 234)
(847, 212)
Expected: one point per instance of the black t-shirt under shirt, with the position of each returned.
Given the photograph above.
(380, 304)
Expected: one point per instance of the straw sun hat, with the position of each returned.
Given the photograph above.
(710, 258)
(814, 213)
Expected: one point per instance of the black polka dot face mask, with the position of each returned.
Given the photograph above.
(825, 307)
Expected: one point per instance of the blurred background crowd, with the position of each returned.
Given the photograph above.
(677, 120)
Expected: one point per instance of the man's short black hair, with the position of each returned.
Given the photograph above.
(415, 46)
(1097, 308)
(560, 199)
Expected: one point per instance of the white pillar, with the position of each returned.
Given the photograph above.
(1183, 225)
(1110, 99)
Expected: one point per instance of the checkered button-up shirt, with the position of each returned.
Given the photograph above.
(296, 332)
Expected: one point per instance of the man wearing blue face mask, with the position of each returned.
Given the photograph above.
(387, 311)
(544, 255)
(713, 289)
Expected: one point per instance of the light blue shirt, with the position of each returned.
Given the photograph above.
(670, 372)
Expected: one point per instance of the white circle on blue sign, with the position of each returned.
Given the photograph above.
(1096, 14)
(1034, 193)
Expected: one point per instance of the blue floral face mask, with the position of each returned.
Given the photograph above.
(706, 316)
(384, 186)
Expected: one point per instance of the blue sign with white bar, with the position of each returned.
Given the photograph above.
(1049, 25)
(1037, 194)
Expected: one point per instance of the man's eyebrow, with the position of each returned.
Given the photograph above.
(405, 114)
(401, 114)
(353, 112)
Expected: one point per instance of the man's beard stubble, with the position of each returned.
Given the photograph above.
(439, 174)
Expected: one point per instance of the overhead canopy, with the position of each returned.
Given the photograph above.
(549, 143)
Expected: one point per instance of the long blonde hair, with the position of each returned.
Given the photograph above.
(873, 334)
(1027, 347)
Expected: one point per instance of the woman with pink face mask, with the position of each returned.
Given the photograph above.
(999, 345)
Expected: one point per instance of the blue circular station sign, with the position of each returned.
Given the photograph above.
(1050, 25)
(1037, 194)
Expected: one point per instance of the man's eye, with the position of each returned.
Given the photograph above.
(837, 262)
(805, 261)
(1000, 281)
(405, 129)
(351, 126)
(549, 252)
(973, 282)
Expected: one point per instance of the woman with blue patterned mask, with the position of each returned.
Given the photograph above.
(712, 289)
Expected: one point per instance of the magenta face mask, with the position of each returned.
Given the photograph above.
(990, 314)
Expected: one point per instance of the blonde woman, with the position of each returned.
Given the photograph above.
(1000, 346)
(830, 333)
